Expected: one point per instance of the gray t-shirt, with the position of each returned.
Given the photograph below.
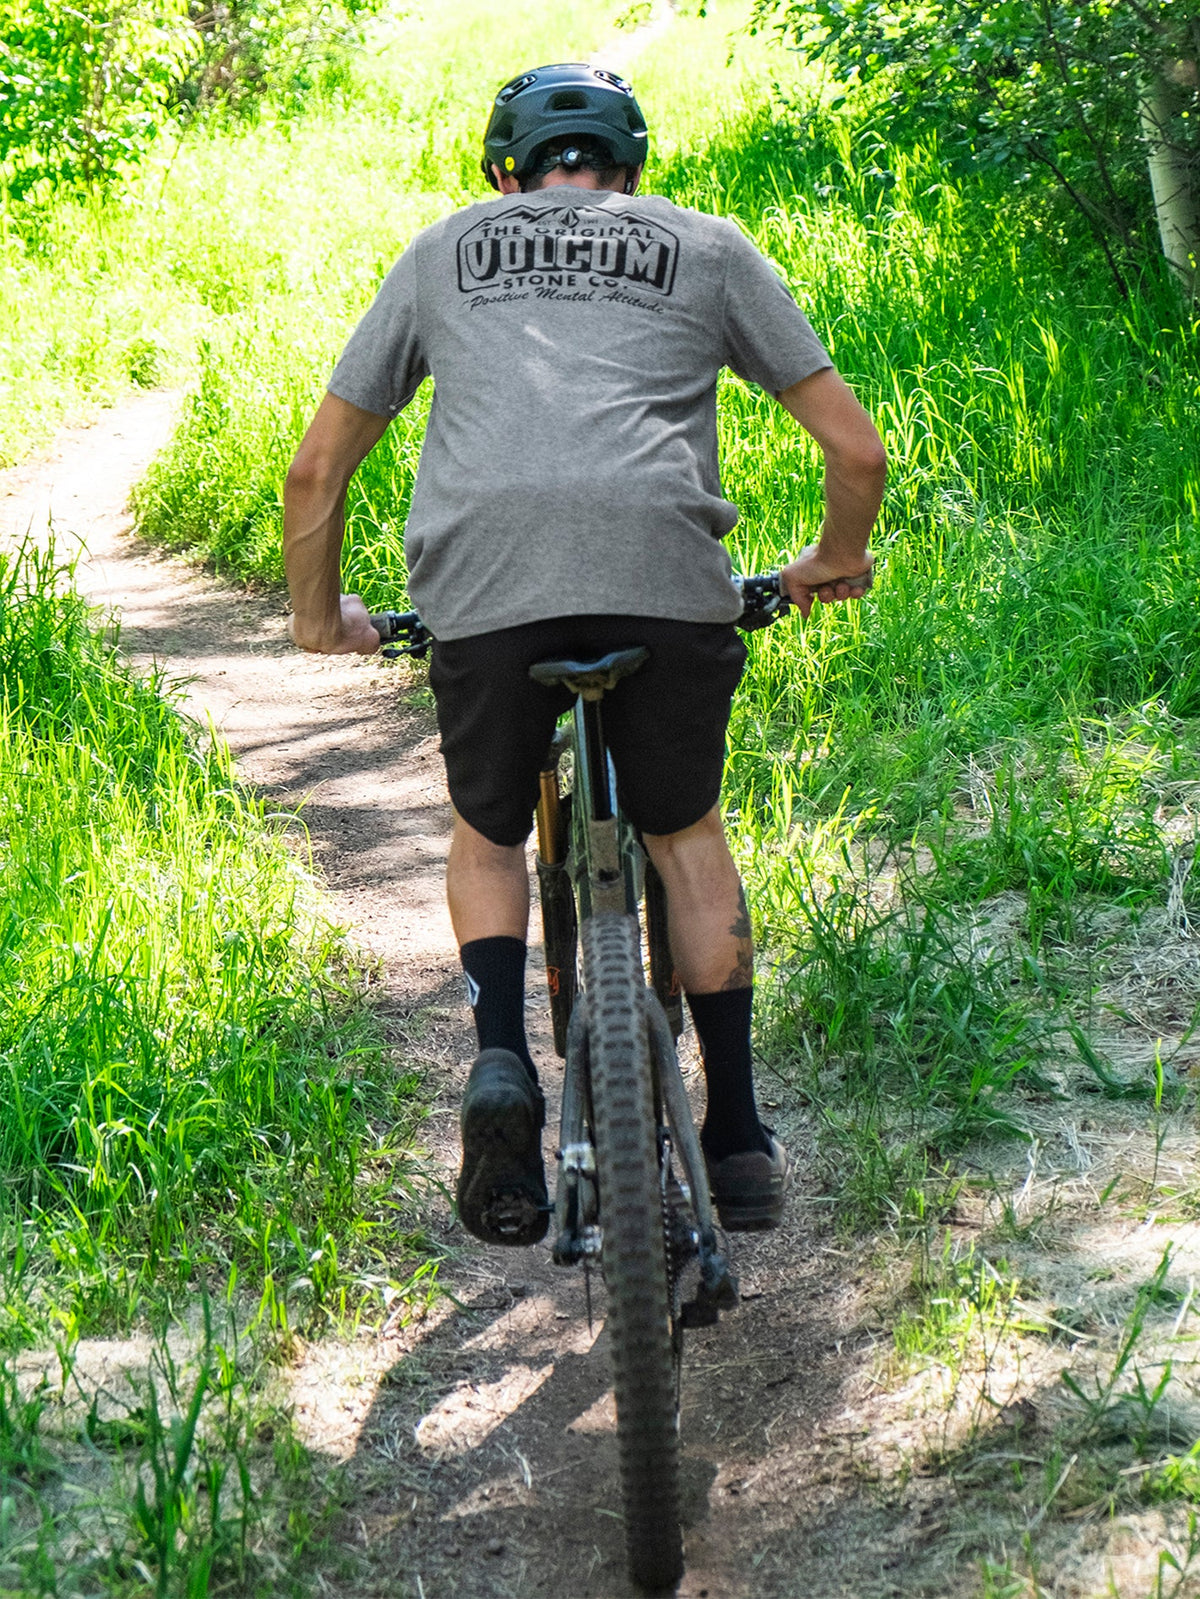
(570, 462)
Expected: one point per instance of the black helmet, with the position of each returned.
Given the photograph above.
(569, 100)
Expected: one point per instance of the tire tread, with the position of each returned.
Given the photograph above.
(634, 1255)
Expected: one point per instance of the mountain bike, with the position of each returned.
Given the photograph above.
(620, 1200)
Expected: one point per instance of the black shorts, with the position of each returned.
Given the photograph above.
(665, 723)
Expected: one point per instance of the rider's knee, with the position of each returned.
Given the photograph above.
(469, 845)
(705, 837)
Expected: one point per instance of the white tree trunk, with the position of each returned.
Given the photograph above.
(1174, 160)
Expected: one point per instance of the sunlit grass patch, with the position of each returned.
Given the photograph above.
(188, 1080)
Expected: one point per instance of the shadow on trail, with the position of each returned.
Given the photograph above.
(487, 1462)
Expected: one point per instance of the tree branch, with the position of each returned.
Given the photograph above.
(1087, 207)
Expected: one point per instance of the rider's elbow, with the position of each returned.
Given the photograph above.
(312, 472)
(868, 459)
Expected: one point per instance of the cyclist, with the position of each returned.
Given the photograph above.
(568, 500)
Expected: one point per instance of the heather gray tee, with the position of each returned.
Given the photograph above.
(570, 462)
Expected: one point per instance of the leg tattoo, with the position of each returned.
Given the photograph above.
(742, 975)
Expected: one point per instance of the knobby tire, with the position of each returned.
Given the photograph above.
(634, 1257)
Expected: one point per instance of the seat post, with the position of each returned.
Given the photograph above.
(587, 713)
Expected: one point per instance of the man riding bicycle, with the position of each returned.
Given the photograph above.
(568, 500)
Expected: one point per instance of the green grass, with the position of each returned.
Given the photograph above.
(194, 1098)
(188, 1083)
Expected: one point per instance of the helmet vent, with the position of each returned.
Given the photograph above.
(568, 100)
(511, 90)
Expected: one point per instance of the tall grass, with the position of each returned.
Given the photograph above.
(186, 1083)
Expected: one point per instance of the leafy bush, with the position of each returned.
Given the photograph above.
(85, 90)
(1070, 99)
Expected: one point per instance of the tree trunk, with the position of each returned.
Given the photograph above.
(1173, 153)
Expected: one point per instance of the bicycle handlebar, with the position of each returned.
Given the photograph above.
(763, 602)
(407, 628)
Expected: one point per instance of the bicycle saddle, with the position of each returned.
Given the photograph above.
(590, 678)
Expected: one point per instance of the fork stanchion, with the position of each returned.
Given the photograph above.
(560, 935)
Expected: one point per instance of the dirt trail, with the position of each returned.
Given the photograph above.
(321, 733)
(479, 1442)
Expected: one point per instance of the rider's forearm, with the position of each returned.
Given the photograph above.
(314, 503)
(313, 526)
(853, 494)
(855, 465)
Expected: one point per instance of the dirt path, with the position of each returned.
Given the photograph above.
(324, 734)
(480, 1442)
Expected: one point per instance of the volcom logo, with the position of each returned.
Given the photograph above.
(573, 248)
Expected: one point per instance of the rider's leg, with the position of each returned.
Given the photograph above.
(501, 1187)
(487, 886)
(707, 920)
(709, 930)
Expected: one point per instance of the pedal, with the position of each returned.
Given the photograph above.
(716, 1291)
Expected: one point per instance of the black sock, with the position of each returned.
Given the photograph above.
(731, 1124)
(495, 972)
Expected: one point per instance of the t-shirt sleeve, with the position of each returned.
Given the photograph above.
(383, 364)
(766, 338)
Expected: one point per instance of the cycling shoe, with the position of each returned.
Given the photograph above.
(748, 1189)
(502, 1185)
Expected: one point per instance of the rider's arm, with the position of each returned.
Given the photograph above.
(855, 469)
(324, 619)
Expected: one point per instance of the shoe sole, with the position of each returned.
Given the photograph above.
(498, 1200)
(736, 1216)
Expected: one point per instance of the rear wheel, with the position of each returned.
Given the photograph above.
(634, 1257)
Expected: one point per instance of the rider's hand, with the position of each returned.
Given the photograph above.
(811, 577)
(353, 634)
